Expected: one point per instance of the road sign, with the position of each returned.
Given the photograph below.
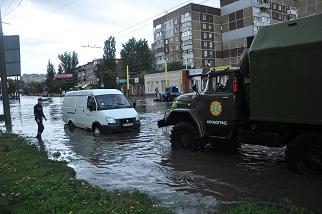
(12, 55)
(136, 80)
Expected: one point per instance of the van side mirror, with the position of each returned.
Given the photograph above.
(134, 104)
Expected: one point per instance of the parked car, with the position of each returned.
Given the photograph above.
(100, 110)
(169, 94)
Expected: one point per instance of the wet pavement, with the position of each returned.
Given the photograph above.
(185, 182)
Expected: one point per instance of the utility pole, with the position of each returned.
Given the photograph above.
(166, 73)
(3, 74)
(127, 80)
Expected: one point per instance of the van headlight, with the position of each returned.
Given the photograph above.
(137, 118)
(110, 120)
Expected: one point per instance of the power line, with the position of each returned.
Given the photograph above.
(126, 29)
(13, 9)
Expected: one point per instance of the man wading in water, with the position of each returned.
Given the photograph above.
(39, 114)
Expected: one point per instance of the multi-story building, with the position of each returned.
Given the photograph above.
(28, 78)
(202, 36)
(189, 35)
(87, 73)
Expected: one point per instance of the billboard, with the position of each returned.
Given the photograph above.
(12, 55)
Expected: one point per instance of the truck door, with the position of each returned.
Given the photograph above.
(218, 104)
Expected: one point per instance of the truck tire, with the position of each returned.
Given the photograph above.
(304, 154)
(185, 136)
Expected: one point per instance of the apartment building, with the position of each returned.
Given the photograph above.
(188, 34)
(202, 36)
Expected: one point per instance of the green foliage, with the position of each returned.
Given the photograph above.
(69, 61)
(50, 71)
(30, 183)
(109, 52)
(175, 65)
(50, 77)
(253, 208)
(33, 88)
(108, 69)
(137, 55)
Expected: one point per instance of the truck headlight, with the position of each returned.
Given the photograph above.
(137, 117)
(110, 120)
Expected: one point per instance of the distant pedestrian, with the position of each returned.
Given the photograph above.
(39, 115)
(156, 92)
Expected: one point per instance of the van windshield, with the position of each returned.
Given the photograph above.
(112, 101)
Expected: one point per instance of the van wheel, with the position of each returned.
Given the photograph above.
(185, 136)
(71, 125)
(97, 129)
(304, 154)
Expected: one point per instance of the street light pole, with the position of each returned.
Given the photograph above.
(3, 74)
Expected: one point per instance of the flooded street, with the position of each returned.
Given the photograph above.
(185, 182)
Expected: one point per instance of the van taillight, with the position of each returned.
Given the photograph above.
(235, 85)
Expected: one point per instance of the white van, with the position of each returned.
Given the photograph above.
(100, 110)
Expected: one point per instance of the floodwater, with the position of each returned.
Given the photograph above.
(206, 182)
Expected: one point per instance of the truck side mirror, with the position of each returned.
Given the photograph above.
(194, 88)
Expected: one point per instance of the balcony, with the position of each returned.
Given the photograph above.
(292, 11)
(263, 4)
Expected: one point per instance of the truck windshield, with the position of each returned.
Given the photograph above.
(112, 101)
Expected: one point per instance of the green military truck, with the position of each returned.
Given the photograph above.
(273, 99)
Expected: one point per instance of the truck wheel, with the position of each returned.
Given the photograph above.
(185, 136)
(304, 154)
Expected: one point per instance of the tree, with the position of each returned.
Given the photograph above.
(50, 71)
(107, 69)
(175, 65)
(137, 55)
(50, 88)
(109, 52)
(68, 60)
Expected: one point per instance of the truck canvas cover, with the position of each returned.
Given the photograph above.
(286, 72)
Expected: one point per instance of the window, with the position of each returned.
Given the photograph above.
(205, 44)
(176, 30)
(204, 26)
(209, 27)
(205, 53)
(167, 50)
(279, 7)
(211, 54)
(177, 39)
(176, 21)
(204, 17)
(210, 45)
(205, 35)
(280, 16)
(166, 41)
(274, 6)
(177, 47)
(91, 104)
(112, 101)
(220, 84)
(210, 35)
(171, 32)
(171, 48)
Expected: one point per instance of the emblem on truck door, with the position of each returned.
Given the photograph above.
(215, 108)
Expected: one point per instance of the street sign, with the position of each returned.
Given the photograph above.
(12, 55)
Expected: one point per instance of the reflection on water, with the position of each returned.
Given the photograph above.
(185, 182)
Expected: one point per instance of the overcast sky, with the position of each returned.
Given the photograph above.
(50, 27)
